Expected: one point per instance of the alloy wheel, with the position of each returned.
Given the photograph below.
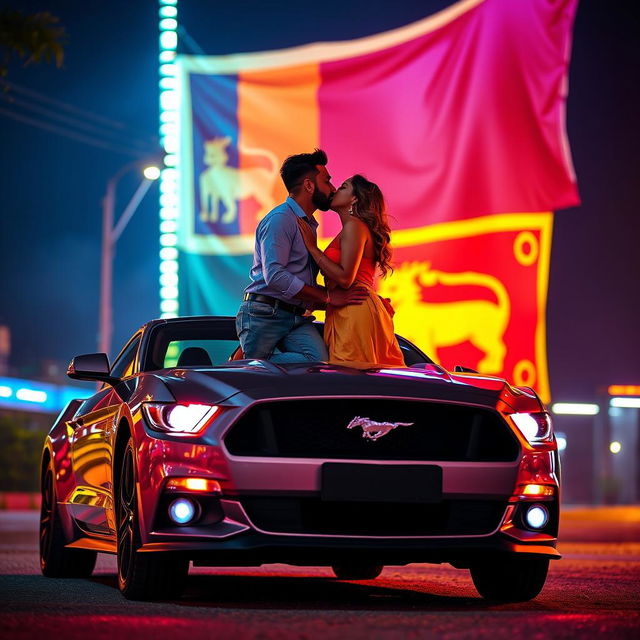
(127, 505)
(46, 515)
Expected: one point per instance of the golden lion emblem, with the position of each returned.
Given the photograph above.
(443, 324)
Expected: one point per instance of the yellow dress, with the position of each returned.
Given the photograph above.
(361, 335)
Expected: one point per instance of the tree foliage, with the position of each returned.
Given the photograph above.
(20, 452)
(31, 38)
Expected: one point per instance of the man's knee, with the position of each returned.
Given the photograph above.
(315, 352)
(306, 341)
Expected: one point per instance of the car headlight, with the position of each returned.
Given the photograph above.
(535, 427)
(179, 419)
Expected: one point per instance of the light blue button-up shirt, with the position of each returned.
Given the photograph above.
(281, 263)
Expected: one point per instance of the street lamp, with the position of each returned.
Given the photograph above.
(110, 235)
(151, 172)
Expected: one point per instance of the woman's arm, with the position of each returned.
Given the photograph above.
(352, 243)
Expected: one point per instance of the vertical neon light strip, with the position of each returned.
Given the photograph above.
(169, 176)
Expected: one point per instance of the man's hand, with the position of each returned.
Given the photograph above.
(388, 306)
(342, 297)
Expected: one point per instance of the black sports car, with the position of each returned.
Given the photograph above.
(186, 454)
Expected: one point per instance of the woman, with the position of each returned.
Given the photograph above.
(361, 335)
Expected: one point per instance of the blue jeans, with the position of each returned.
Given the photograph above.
(262, 328)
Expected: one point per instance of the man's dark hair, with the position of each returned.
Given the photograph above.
(296, 168)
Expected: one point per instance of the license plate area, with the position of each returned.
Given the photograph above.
(411, 483)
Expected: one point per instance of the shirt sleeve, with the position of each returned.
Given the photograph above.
(276, 240)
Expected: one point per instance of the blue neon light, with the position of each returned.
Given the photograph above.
(169, 201)
(41, 397)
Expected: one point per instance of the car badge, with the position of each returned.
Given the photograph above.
(372, 430)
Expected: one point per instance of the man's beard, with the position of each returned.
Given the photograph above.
(320, 201)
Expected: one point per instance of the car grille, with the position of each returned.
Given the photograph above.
(318, 429)
(314, 516)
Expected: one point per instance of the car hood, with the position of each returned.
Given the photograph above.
(261, 379)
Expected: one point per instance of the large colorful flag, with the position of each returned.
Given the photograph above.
(460, 118)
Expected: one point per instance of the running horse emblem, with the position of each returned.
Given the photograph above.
(372, 430)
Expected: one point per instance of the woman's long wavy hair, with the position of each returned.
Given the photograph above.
(371, 209)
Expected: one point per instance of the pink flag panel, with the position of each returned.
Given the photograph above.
(464, 121)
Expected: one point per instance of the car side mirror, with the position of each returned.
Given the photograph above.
(91, 366)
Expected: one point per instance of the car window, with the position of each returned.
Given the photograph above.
(205, 341)
(411, 354)
(125, 362)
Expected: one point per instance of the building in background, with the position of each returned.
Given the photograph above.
(5, 349)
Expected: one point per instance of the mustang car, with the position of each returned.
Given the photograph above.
(187, 453)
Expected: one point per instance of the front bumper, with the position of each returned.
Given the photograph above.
(253, 549)
(236, 541)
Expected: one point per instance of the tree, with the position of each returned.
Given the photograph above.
(32, 38)
(20, 452)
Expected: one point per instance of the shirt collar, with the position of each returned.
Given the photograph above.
(297, 209)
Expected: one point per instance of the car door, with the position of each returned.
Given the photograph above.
(91, 450)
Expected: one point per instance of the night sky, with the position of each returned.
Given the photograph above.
(51, 185)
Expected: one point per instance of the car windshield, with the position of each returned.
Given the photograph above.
(205, 343)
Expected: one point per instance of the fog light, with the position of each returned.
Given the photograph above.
(537, 516)
(182, 510)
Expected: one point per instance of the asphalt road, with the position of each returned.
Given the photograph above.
(593, 591)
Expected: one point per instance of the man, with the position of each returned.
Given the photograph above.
(283, 274)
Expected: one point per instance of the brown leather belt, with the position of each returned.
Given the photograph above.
(274, 302)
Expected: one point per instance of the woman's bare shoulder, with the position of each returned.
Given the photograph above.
(356, 226)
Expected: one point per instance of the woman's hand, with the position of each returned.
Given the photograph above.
(388, 306)
(308, 236)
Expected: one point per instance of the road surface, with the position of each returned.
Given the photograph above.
(594, 591)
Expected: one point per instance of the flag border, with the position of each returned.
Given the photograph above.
(320, 52)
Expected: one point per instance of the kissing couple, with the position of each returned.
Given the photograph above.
(274, 320)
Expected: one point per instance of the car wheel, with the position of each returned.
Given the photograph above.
(56, 561)
(356, 571)
(513, 579)
(148, 575)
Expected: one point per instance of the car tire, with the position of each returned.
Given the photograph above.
(142, 575)
(513, 579)
(356, 571)
(56, 561)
